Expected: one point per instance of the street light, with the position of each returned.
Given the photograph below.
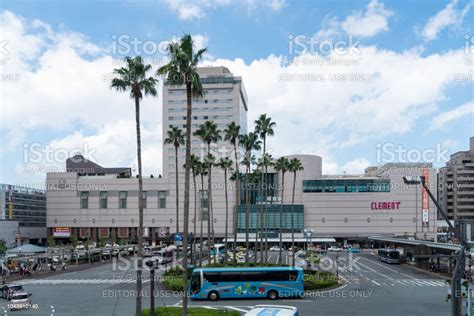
(456, 279)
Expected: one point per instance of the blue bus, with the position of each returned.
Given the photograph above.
(264, 282)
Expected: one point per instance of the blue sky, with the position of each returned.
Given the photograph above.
(418, 95)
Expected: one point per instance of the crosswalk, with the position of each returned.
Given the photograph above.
(78, 281)
(410, 282)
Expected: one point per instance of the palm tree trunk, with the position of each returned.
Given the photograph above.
(257, 211)
(195, 219)
(237, 200)
(209, 181)
(138, 310)
(202, 219)
(281, 214)
(293, 221)
(152, 291)
(177, 187)
(247, 213)
(265, 223)
(226, 213)
(186, 199)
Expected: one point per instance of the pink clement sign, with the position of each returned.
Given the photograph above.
(385, 205)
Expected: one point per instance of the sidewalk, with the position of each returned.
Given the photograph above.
(439, 275)
(47, 272)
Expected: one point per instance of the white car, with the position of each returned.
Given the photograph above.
(20, 300)
(273, 310)
(335, 249)
(275, 248)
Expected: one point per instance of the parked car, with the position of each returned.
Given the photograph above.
(275, 248)
(335, 249)
(20, 300)
(274, 310)
(7, 291)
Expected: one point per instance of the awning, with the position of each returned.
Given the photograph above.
(287, 239)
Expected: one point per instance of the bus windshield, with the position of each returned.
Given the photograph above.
(195, 283)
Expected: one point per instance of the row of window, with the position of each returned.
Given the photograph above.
(204, 117)
(346, 185)
(195, 109)
(122, 199)
(219, 126)
(250, 276)
(201, 101)
(206, 92)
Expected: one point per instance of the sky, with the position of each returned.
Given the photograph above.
(360, 83)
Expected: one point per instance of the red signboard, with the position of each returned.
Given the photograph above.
(61, 232)
(389, 205)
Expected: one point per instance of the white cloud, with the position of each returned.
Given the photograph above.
(449, 16)
(356, 166)
(63, 92)
(368, 23)
(195, 9)
(362, 24)
(449, 117)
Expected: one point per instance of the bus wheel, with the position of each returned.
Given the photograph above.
(272, 294)
(213, 296)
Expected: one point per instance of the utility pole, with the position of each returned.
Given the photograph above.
(456, 291)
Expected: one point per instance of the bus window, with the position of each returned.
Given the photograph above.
(230, 277)
(251, 276)
(212, 277)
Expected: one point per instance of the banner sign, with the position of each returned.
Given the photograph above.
(425, 199)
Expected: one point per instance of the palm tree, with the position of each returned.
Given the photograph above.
(249, 142)
(182, 70)
(209, 133)
(201, 168)
(264, 162)
(294, 166)
(175, 137)
(231, 135)
(281, 165)
(209, 162)
(236, 176)
(195, 171)
(226, 165)
(264, 127)
(255, 180)
(133, 77)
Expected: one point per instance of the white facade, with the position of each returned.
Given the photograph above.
(224, 101)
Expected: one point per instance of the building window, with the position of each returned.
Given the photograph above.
(144, 195)
(84, 199)
(103, 199)
(123, 199)
(161, 199)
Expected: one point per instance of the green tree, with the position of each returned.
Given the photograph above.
(294, 166)
(182, 70)
(231, 135)
(264, 127)
(175, 137)
(249, 142)
(209, 134)
(281, 165)
(226, 165)
(134, 78)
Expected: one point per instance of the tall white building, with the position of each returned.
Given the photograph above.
(224, 101)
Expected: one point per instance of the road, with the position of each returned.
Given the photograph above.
(370, 288)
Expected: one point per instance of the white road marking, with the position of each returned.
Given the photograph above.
(375, 282)
(375, 271)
